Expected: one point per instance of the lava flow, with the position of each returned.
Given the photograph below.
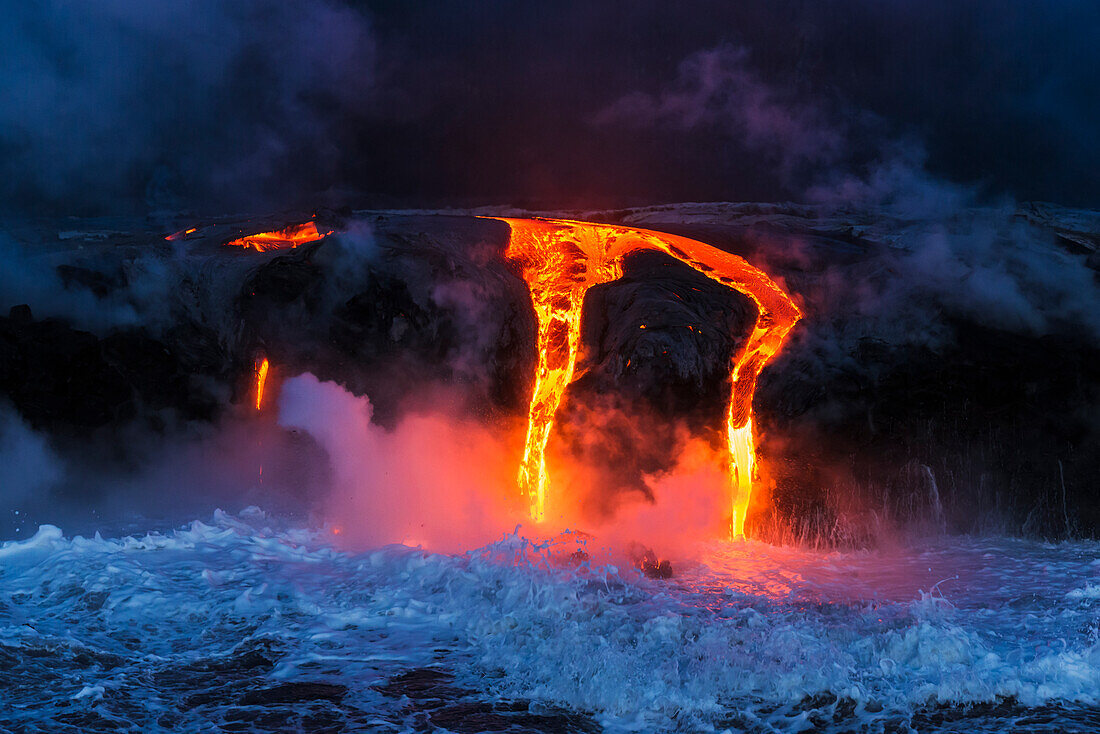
(281, 239)
(182, 234)
(561, 259)
(261, 380)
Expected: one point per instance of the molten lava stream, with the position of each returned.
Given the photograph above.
(281, 239)
(262, 367)
(182, 234)
(561, 259)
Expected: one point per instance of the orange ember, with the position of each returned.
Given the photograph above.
(261, 379)
(281, 239)
(561, 259)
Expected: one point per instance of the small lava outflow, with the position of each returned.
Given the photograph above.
(261, 368)
(561, 259)
(182, 234)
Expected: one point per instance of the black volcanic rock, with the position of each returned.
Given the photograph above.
(100, 284)
(656, 349)
(997, 426)
(430, 301)
(155, 374)
(902, 398)
(56, 375)
(384, 319)
(64, 379)
(284, 279)
(663, 334)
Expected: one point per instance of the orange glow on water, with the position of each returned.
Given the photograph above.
(261, 380)
(561, 259)
(286, 238)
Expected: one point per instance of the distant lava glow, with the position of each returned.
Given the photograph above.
(561, 259)
(281, 239)
(182, 234)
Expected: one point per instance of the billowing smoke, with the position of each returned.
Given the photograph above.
(438, 480)
(29, 277)
(717, 88)
(896, 267)
(28, 466)
(134, 291)
(822, 151)
(178, 104)
(446, 481)
(949, 249)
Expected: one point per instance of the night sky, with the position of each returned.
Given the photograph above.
(123, 106)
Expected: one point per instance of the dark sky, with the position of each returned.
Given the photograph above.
(124, 105)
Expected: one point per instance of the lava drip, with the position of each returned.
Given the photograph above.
(561, 259)
(262, 366)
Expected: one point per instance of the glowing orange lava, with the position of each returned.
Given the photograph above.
(181, 234)
(262, 367)
(281, 239)
(561, 259)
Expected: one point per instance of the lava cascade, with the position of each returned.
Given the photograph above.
(561, 259)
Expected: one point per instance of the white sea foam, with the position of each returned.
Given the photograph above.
(746, 635)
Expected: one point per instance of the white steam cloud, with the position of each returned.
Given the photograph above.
(28, 466)
(438, 481)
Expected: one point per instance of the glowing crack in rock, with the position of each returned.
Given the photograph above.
(561, 259)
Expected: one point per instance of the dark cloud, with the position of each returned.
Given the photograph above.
(717, 90)
(177, 103)
(188, 104)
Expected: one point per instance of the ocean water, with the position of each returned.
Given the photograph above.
(241, 623)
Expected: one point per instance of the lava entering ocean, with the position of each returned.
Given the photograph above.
(561, 259)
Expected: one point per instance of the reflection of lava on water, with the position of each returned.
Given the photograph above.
(286, 238)
(562, 259)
